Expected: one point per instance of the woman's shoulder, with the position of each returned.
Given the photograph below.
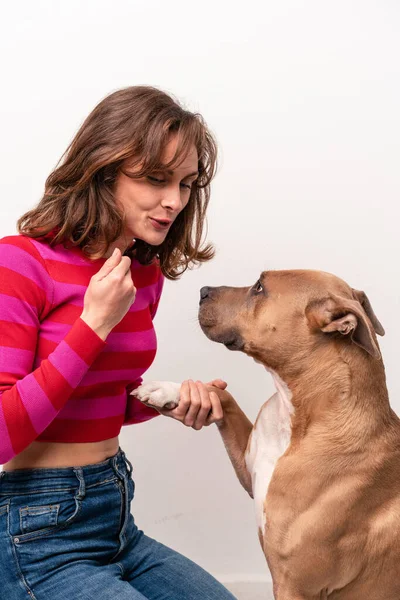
(14, 244)
(25, 246)
(16, 240)
(40, 249)
(23, 272)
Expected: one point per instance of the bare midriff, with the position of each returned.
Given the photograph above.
(52, 455)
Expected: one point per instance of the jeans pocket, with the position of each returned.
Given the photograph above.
(35, 518)
(42, 514)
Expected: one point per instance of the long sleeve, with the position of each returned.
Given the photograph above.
(136, 411)
(30, 400)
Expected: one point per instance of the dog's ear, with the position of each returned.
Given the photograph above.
(362, 298)
(347, 316)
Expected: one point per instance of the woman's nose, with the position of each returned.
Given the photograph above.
(172, 199)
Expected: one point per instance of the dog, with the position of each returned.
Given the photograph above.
(322, 460)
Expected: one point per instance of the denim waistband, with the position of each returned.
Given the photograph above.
(24, 479)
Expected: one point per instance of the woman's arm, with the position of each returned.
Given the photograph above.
(31, 398)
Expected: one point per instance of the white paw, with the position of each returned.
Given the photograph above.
(160, 394)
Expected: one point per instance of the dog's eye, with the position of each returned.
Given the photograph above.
(257, 287)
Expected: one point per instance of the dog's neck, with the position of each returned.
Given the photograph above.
(337, 386)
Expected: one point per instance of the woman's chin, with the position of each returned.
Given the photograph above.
(149, 234)
(153, 239)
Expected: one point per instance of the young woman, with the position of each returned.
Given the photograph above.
(79, 288)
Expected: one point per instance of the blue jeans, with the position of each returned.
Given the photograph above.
(68, 533)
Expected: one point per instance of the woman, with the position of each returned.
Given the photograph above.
(79, 288)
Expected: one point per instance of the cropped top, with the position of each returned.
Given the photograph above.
(59, 381)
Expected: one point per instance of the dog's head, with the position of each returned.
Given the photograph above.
(288, 314)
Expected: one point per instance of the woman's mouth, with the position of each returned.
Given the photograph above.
(160, 224)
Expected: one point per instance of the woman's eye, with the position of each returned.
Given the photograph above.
(155, 179)
(258, 287)
(187, 186)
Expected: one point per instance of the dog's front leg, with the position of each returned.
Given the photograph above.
(235, 429)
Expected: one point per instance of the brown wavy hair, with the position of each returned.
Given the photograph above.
(78, 205)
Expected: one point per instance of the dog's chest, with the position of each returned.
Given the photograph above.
(270, 439)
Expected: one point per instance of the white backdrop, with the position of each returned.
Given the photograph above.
(304, 100)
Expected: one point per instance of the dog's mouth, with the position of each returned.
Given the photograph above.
(233, 344)
(231, 340)
(212, 326)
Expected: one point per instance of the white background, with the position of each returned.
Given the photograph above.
(304, 100)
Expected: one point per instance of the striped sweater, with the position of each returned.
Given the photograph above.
(59, 381)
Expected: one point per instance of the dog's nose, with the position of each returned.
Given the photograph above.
(204, 292)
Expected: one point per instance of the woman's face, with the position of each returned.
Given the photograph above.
(152, 203)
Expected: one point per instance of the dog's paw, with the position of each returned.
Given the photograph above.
(159, 394)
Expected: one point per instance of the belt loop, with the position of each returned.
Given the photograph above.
(82, 487)
(2, 473)
(127, 462)
(130, 467)
(115, 466)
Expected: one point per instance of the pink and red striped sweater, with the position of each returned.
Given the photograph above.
(59, 381)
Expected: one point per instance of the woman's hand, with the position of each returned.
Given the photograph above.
(199, 403)
(109, 295)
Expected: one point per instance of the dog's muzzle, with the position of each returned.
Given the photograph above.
(205, 292)
(212, 325)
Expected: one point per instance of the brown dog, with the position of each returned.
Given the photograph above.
(324, 453)
(323, 458)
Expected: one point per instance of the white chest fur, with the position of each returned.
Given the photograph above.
(270, 439)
